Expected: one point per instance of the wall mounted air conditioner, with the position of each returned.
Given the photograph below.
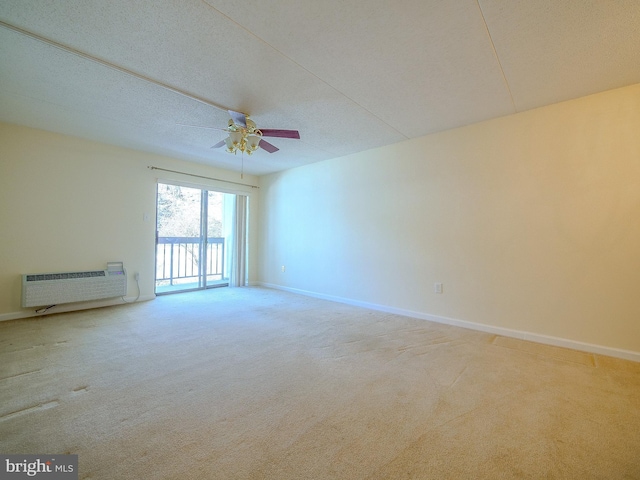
(42, 289)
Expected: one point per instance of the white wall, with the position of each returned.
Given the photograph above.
(531, 222)
(69, 204)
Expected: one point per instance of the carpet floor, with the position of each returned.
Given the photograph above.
(252, 383)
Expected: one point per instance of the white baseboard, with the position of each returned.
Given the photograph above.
(505, 332)
(72, 307)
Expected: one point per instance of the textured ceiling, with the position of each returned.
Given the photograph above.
(349, 75)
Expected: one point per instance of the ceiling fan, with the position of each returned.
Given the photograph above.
(244, 135)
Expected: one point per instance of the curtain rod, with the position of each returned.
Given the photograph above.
(151, 167)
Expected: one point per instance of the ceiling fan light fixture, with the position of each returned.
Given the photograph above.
(229, 143)
(253, 141)
(244, 136)
(236, 138)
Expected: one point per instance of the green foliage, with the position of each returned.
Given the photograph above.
(179, 211)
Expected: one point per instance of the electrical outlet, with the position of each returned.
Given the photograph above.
(136, 276)
(283, 269)
(437, 287)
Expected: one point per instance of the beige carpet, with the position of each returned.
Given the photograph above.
(254, 383)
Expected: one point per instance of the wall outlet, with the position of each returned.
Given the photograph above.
(437, 287)
(136, 276)
(283, 269)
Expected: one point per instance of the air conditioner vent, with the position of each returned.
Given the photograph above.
(64, 276)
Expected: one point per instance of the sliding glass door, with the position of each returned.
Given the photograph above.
(193, 238)
(216, 209)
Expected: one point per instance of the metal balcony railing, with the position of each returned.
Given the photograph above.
(178, 260)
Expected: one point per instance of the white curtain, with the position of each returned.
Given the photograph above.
(238, 273)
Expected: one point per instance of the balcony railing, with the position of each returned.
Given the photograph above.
(178, 261)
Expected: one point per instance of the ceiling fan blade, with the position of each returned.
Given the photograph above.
(219, 144)
(202, 126)
(268, 147)
(273, 132)
(238, 118)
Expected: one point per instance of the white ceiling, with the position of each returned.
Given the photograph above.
(349, 75)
